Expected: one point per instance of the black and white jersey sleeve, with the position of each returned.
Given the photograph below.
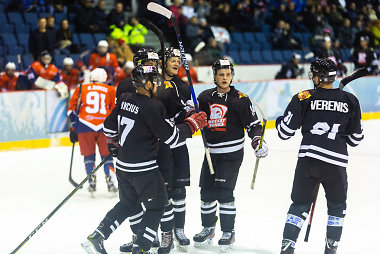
(247, 115)
(355, 132)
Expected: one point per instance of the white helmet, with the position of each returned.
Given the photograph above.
(10, 66)
(129, 64)
(189, 58)
(98, 75)
(103, 43)
(68, 61)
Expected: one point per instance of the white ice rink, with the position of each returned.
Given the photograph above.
(34, 182)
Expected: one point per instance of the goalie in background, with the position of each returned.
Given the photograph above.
(290, 70)
(42, 74)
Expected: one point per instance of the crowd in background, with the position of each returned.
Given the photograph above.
(331, 25)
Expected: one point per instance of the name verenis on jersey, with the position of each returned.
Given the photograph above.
(329, 106)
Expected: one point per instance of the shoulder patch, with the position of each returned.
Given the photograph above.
(303, 95)
(242, 94)
(168, 84)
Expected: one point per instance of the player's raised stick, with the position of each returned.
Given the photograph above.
(154, 7)
(311, 214)
(355, 75)
(261, 142)
(61, 204)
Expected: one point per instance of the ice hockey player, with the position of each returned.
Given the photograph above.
(229, 111)
(8, 79)
(70, 75)
(134, 127)
(95, 103)
(330, 119)
(43, 74)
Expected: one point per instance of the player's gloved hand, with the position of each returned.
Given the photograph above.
(62, 90)
(197, 121)
(260, 152)
(73, 135)
(113, 147)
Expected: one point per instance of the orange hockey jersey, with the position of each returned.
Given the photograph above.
(108, 59)
(72, 79)
(7, 83)
(97, 100)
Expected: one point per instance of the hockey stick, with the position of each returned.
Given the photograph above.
(80, 185)
(261, 142)
(355, 75)
(71, 180)
(154, 7)
(160, 36)
(311, 215)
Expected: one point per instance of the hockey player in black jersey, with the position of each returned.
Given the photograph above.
(134, 127)
(330, 119)
(229, 111)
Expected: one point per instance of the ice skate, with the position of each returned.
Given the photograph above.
(182, 242)
(111, 187)
(227, 241)
(331, 246)
(204, 238)
(166, 243)
(127, 248)
(92, 185)
(137, 250)
(94, 244)
(156, 243)
(287, 247)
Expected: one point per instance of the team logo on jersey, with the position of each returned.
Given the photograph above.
(167, 84)
(303, 95)
(217, 113)
(242, 94)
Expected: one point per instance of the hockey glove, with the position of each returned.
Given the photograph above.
(113, 147)
(196, 121)
(73, 135)
(260, 152)
(62, 89)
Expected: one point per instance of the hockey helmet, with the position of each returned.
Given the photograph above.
(68, 61)
(143, 55)
(98, 75)
(144, 73)
(324, 68)
(222, 64)
(170, 52)
(45, 57)
(10, 66)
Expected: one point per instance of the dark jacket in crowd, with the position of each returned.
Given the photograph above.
(39, 42)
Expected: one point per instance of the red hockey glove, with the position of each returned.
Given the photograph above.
(113, 147)
(73, 135)
(197, 121)
(260, 152)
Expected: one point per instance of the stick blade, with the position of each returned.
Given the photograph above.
(154, 7)
(355, 75)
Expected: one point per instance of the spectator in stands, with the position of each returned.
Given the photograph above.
(126, 73)
(282, 37)
(123, 52)
(207, 32)
(291, 70)
(208, 54)
(310, 18)
(70, 76)
(8, 79)
(100, 16)
(42, 74)
(188, 9)
(136, 33)
(57, 6)
(193, 73)
(335, 18)
(364, 56)
(117, 31)
(324, 27)
(41, 39)
(202, 8)
(85, 18)
(34, 6)
(352, 13)
(327, 51)
(375, 29)
(50, 23)
(222, 16)
(346, 34)
(116, 14)
(241, 16)
(193, 34)
(64, 38)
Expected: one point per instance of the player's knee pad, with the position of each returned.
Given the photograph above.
(297, 214)
(225, 195)
(336, 214)
(178, 193)
(208, 195)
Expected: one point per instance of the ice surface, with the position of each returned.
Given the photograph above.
(34, 182)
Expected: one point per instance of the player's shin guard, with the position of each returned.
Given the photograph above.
(208, 211)
(336, 214)
(89, 163)
(148, 228)
(167, 220)
(227, 213)
(179, 208)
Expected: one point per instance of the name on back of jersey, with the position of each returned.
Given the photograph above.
(129, 107)
(101, 88)
(329, 106)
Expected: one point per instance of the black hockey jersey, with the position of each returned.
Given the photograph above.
(330, 119)
(228, 114)
(125, 86)
(137, 122)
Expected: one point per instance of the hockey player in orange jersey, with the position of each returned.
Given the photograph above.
(43, 74)
(70, 75)
(8, 78)
(95, 103)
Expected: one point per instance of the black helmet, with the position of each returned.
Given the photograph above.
(170, 52)
(222, 64)
(324, 68)
(143, 73)
(143, 55)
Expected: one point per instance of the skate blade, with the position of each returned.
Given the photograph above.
(182, 248)
(89, 248)
(204, 244)
(226, 248)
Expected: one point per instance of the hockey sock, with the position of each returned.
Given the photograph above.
(227, 213)
(113, 219)
(295, 219)
(135, 219)
(167, 220)
(148, 228)
(179, 208)
(208, 211)
(109, 167)
(336, 214)
(89, 163)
